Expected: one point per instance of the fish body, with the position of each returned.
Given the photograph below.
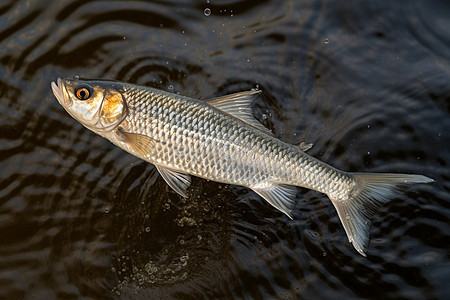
(219, 140)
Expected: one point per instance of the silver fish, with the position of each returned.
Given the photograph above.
(220, 140)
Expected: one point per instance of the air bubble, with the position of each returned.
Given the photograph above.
(207, 12)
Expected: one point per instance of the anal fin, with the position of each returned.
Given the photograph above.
(280, 196)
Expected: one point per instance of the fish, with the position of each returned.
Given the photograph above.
(220, 140)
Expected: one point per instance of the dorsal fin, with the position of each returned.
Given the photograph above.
(239, 106)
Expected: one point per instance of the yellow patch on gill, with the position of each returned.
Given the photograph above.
(112, 107)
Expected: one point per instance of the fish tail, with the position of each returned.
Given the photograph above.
(369, 192)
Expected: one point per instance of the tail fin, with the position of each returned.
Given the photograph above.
(368, 194)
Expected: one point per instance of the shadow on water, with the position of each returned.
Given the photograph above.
(366, 83)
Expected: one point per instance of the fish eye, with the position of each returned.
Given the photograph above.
(83, 91)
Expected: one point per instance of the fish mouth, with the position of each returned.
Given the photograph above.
(58, 91)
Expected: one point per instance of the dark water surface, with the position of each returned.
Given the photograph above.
(368, 82)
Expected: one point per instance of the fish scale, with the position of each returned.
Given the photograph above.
(219, 140)
(191, 121)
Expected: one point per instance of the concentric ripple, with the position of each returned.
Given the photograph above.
(367, 84)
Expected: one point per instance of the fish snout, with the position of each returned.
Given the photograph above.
(58, 91)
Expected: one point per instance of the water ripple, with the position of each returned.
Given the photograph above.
(80, 218)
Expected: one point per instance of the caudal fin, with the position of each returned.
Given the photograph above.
(369, 193)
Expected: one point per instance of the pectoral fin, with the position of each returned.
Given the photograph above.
(280, 196)
(239, 106)
(178, 181)
(140, 143)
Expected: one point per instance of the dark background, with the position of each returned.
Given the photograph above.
(368, 82)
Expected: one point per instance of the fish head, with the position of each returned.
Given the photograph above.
(98, 105)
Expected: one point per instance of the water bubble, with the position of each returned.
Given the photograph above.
(264, 116)
(326, 41)
(171, 87)
(107, 210)
(207, 12)
(184, 258)
(77, 77)
(150, 269)
(147, 229)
